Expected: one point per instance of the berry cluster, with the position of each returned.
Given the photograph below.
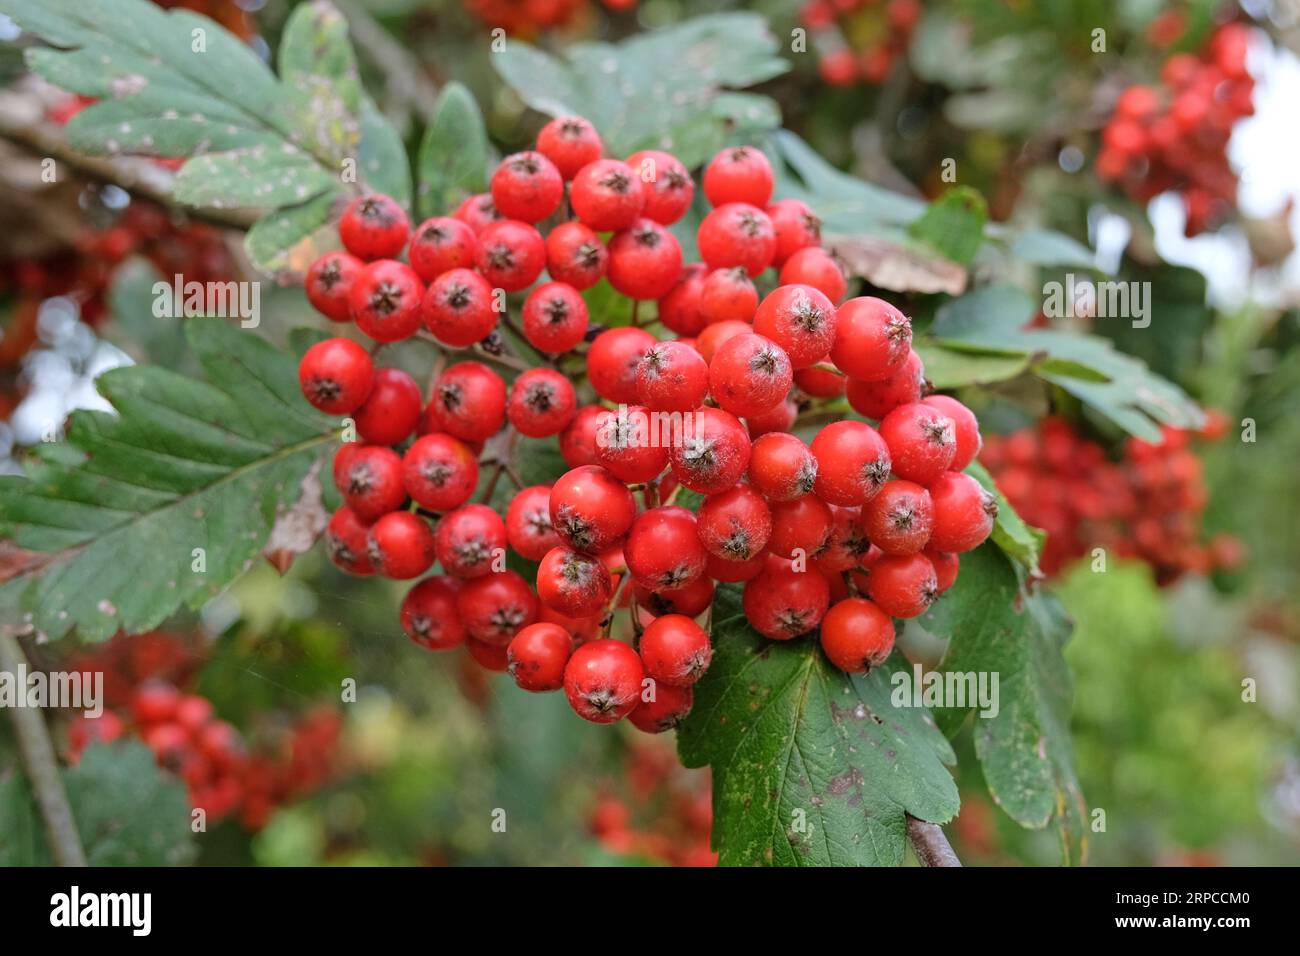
(708, 411)
(529, 17)
(859, 40)
(1147, 505)
(1175, 138)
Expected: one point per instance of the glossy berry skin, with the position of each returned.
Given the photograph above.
(966, 429)
(336, 376)
(715, 453)
(877, 399)
(782, 467)
(853, 462)
(345, 542)
(801, 320)
(662, 549)
(329, 282)
(537, 655)
(670, 706)
(511, 255)
(469, 540)
(495, 607)
(469, 401)
(374, 227)
(626, 444)
(782, 603)
(478, 212)
(570, 142)
(527, 186)
(576, 255)
(645, 260)
(429, 616)
(591, 510)
(602, 681)
(441, 244)
(612, 362)
(816, 267)
(872, 339)
(578, 440)
(900, 518)
(574, 584)
(734, 524)
(903, 585)
(691, 600)
(857, 635)
(738, 174)
(667, 185)
(723, 570)
(458, 308)
(439, 472)
(554, 317)
(946, 564)
(370, 480)
(749, 374)
(710, 340)
(400, 545)
(796, 228)
(392, 410)
(963, 513)
(607, 195)
(679, 309)
(819, 382)
(385, 300)
(801, 525)
(845, 544)
(737, 234)
(779, 418)
(488, 656)
(672, 377)
(542, 402)
(922, 442)
(528, 522)
(728, 295)
(675, 650)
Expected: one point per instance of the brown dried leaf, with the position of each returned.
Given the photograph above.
(297, 529)
(891, 265)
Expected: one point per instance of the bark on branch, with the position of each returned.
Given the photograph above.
(931, 846)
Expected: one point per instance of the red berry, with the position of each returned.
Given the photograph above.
(400, 545)
(675, 650)
(903, 585)
(429, 615)
(570, 142)
(816, 267)
(470, 541)
(440, 245)
(662, 549)
(607, 195)
(711, 339)
(591, 509)
(782, 603)
(781, 467)
(603, 681)
(574, 584)
(528, 522)
(374, 227)
(801, 525)
(392, 410)
(779, 418)
(542, 403)
(872, 339)
(667, 185)
(921, 440)
(155, 703)
(578, 440)
(627, 446)
(511, 255)
(470, 401)
(801, 320)
(877, 399)
(329, 283)
(385, 300)
(478, 212)
(488, 656)
(672, 377)
(527, 186)
(555, 317)
(967, 429)
(645, 260)
(612, 362)
(537, 656)
(575, 254)
(439, 472)
(963, 513)
(853, 462)
(722, 570)
(679, 310)
(796, 228)
(900, 518)
(458, 308)
(739, 174)
(664, 711)
(946, 565)
(345, 542)
(712, 453)
(737, 234)
(856, 635)
(691, 600)
(735, 524)
(494, 607)
(727, 295)
(845, 544)
(336, 376)
(819, 382)
(369, 477)
(749, 374)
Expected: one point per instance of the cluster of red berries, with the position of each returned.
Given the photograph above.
(813, 526)
(860, 40)
(1147, 505)
(529, 17)
(1175, 138)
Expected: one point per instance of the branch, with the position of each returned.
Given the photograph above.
(931, 846)
(36, 753)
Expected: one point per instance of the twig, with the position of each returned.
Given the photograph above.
(36, 753)
(611, 610)
(931, 845)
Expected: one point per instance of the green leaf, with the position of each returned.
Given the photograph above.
(954, 224)
(1047, 247)
(811, 766)
(383, 161)
(318, 65)
(133, 327)
(1020, 542)
(290, 239)
(183, 465)
(994, 627)
(950, 368)
(256, 177)
(453, 156)
(667, 89)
